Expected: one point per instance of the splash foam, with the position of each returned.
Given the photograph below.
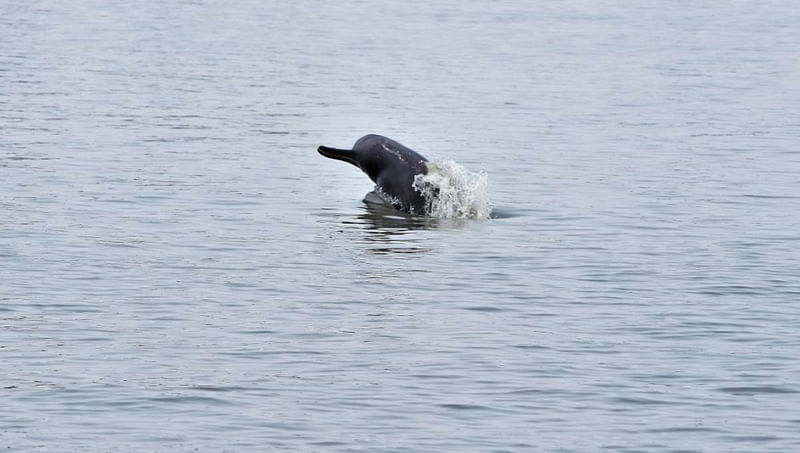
(453, 192)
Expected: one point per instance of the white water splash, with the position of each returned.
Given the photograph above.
(378, 196)
(453, 192)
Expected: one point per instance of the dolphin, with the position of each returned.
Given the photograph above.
(390, 165)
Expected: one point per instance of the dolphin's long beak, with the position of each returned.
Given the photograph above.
(347, 155)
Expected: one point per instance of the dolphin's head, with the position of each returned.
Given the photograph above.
(347, 155)
(377, 155)
(390, 165)
(369, 163)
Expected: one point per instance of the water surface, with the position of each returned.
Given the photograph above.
(180, 270)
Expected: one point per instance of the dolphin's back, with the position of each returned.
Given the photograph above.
(378, 143)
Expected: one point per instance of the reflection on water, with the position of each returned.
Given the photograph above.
(388, 231)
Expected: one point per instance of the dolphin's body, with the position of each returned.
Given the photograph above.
(390, 165)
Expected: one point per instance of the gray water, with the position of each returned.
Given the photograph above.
(181, 271)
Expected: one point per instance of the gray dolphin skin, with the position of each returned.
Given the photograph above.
(390, 165)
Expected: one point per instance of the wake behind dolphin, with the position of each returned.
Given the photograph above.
(410, 183)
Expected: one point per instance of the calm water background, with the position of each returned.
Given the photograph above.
(180, 270)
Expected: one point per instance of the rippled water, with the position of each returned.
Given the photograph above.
(180, 270)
